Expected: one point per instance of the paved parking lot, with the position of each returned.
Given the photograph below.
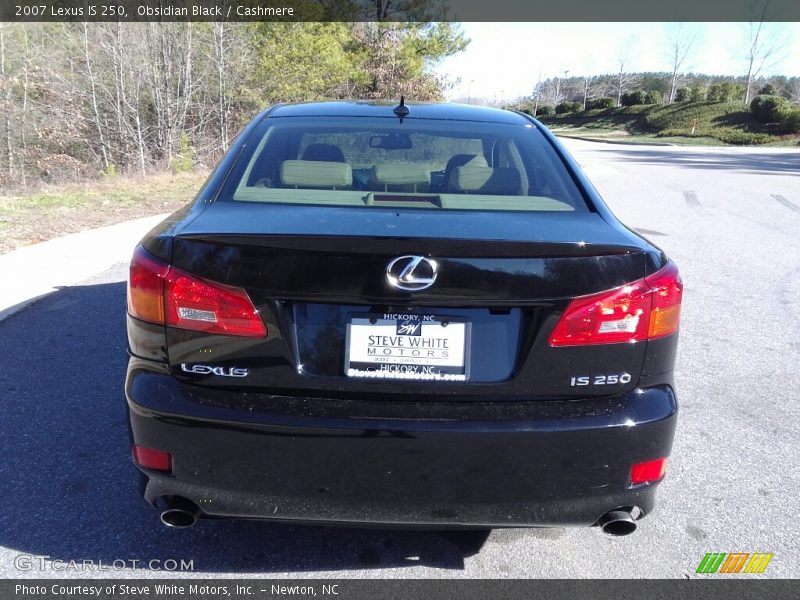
(731, 220)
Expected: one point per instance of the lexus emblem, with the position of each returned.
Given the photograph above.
(411, 273)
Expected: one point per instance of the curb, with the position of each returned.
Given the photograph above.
(708, 148)
(34, 272)
(618, 142)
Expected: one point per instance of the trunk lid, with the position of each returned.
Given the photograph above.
(507, 275)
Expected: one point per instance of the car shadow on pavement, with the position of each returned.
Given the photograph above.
(70, 490)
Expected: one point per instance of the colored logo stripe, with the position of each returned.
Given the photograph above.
(758, 563)
(734, 562)
(711, 562)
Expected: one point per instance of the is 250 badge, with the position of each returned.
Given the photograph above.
(610, 379)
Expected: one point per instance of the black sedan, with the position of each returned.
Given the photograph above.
(401, 315)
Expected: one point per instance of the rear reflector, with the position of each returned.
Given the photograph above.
(645, 309)
(164, 295)
(652, 470)
(150, 458)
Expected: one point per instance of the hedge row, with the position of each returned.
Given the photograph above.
(728, 135)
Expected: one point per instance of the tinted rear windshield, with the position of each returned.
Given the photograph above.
(427, 163)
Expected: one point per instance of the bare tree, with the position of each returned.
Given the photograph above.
(221, 50)
(15, 55)
(793, 87)
(624, 79)
(93, 94)
(537, 93)
(171, 81)
(5, 85)
(556, 89)
(559, 86)
(587, 82)
(127, 101)
(765, 41)
(681, 41)
(230, 56)
(77, 100)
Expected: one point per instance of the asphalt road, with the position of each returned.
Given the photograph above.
(731, 220)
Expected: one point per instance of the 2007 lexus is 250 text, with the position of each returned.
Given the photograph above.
(381, 313)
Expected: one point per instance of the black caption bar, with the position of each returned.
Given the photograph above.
(401, 10)
(349, 589)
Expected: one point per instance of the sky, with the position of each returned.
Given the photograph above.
(503, 60)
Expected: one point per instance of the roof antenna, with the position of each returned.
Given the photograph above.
(401, 110)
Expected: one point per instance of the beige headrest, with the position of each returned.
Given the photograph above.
(472, 175)
(316, 174)
(477, 175)
(400, 174)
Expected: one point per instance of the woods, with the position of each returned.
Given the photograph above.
(624, 87)
(81, 101)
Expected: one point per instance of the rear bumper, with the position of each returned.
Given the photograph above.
(398, 463)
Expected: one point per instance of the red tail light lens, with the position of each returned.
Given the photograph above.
(645, 472)
(150, 458)
(161, 294)
(645, 309)
(201, 305)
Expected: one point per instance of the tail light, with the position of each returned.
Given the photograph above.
(161, 294)
(642, 310)
(146, 287)
(194, 303)
(647, 472)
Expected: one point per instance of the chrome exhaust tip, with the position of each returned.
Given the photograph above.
(177, 518)
(178, 513)
(617, 523)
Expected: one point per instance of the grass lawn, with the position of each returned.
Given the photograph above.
(642, 139)
(28, 217)
(716, 123)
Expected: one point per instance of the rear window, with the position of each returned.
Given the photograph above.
(425, 163)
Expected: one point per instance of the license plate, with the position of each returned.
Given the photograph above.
(407, 346)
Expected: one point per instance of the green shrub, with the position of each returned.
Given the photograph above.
(568, 107)
(110, 172)
(724, 92)
(729, 135)
(183, 162)
(641, 98)
(768, 90)
(698, 94)
(740, 137)
(791, 122)
(653, 97)
(770, 109)
(604, 102)
(683, 94)
(634, 98)
(545, 111)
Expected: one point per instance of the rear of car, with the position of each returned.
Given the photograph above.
(428, 319)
